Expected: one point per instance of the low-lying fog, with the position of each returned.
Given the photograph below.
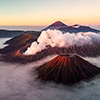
(2, 40)
(17, 82)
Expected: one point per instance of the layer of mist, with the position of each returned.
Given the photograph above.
(18, 82)
(2, 40)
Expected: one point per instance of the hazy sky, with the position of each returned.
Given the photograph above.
(44, 12)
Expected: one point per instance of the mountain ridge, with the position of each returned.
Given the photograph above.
(72, 29)
(58, 25)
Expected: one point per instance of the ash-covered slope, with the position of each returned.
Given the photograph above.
(67, 69)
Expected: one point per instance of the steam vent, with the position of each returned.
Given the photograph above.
(67, 69)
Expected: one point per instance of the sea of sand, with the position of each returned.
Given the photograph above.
(18, 82)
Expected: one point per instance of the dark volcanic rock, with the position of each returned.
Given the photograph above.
(19, 42)
(67, 69)
(18, 56)
(16, 46)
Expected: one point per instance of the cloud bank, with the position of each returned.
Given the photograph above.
(56, 38)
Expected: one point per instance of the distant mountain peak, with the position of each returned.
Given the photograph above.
(58, 23)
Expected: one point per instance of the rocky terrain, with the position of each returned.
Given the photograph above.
(67, 69)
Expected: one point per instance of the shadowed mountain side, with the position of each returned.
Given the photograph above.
(71, 29)
(19, 41)
(18, 56)
(56, 25)
(13, 33)
(67, 69)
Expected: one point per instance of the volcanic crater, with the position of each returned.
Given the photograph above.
(67, 69)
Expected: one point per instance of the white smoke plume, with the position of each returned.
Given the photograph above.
(56, 38)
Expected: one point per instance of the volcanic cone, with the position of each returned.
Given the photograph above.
(67, 69)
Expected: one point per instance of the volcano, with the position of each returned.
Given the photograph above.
(67, 69)
(56, 25)
(16, 55)
(14, 51)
